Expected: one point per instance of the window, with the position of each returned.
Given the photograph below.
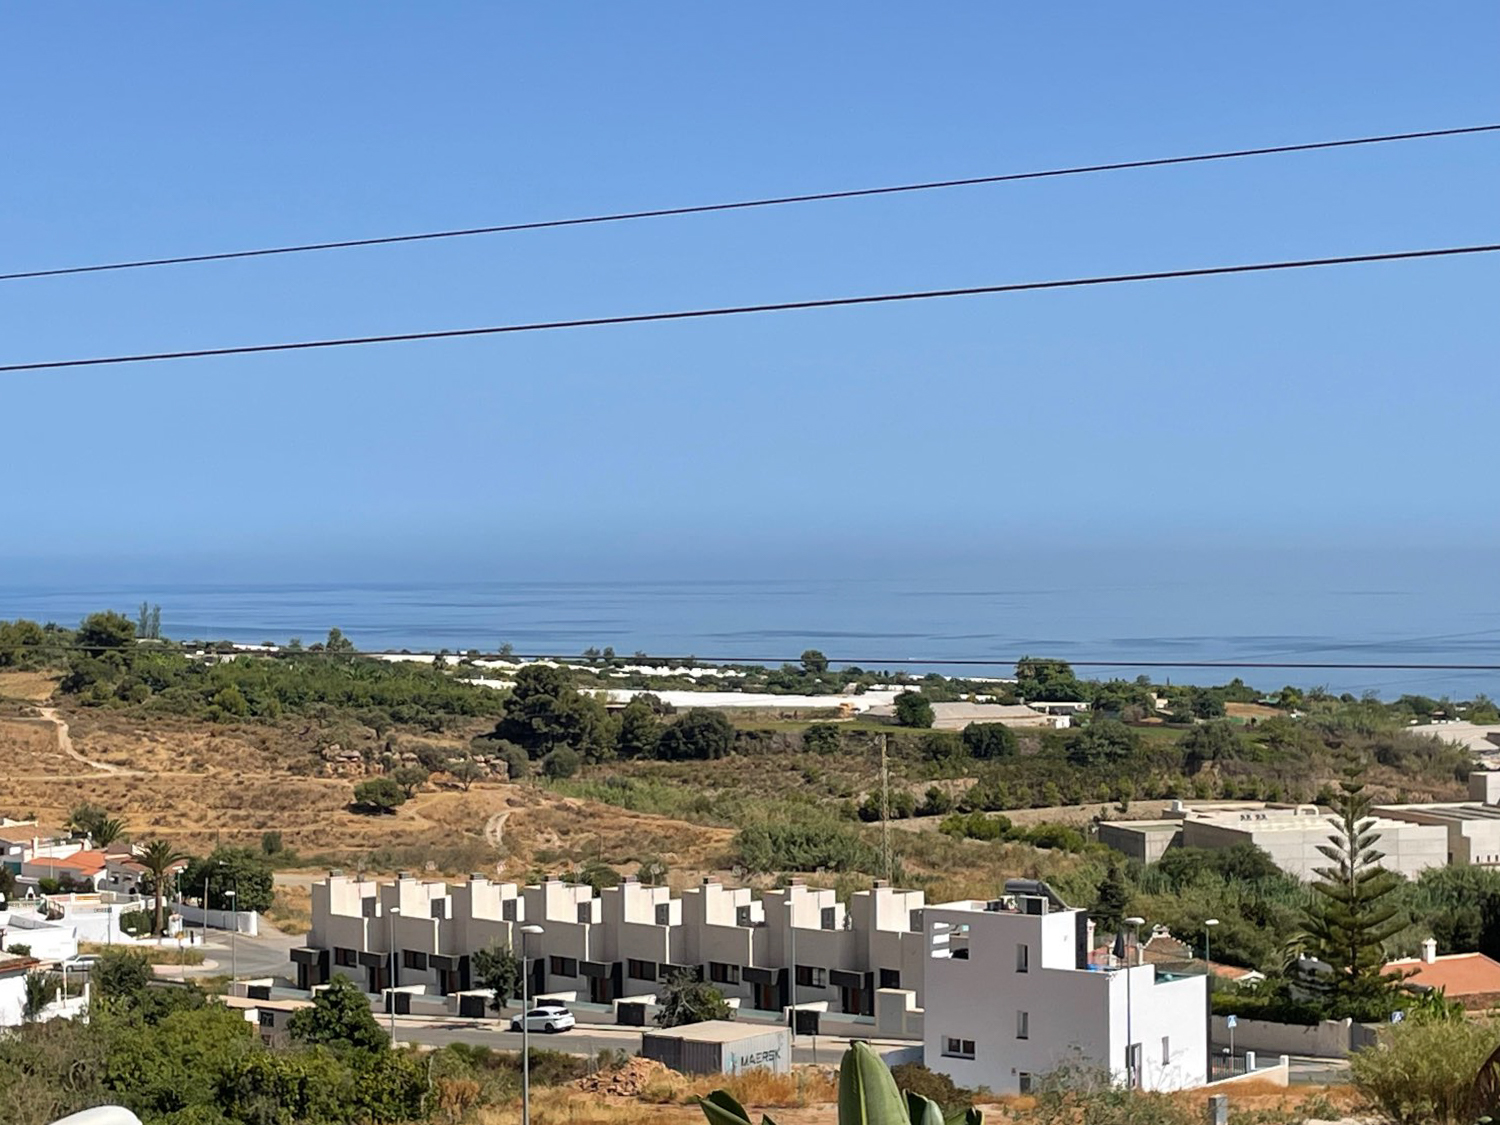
(414, 959)
(1023, 1025)
(508, 910)
(266, 1019)
(742, 916)
(1023, 958)
(1166, 1049)
(890, 978)
(958, 1048)
(640, 970)
(809, 976)
(720, 973)
(829, 918)
(345, 957)
(1023, 1080)
(562, 966)
(663, 914)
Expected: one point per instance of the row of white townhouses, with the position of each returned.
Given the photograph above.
(998, 991)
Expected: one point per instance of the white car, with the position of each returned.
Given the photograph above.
(545, 1017)
(81, 963)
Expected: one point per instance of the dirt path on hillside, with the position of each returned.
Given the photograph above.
(65, 744)
(494, 830)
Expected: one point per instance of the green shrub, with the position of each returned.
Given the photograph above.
(1422, 1072)
(803, 847)
(975, 826)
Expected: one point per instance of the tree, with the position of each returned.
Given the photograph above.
(379, 795)
(105, 632)
(545, 711)
(106, 831)
(1047, 680)
(410, 778)
(699, 735)
(158, 858)
(1112, 901)
(495, 967)
(337, 642)
(340, 1017)
(652, 871)
(814, 663)
(466, 771)
(1216, 741)
(988, 741)
(561, 763)
(86, 820)
(686, 999)
(38, 990)
(1355, 912)
(913, 710)
(1102, 742)
(823, 738)
(640, 730)
(248, 873)
(122, 975)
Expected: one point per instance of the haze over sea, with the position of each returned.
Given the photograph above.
(1316, 605)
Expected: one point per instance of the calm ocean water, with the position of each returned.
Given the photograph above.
(1147, 617)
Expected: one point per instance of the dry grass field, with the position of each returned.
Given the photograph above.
(199, 785)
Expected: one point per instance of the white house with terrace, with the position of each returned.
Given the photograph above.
(1010, 994)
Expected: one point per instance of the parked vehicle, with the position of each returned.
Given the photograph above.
(545, 1017)
(82, 963)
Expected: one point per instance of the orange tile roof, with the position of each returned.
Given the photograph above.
(1457, 974)
(89, 862)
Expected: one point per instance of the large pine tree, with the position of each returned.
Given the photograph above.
(1354, 914)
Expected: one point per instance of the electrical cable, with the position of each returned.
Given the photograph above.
(771, 307)
(747, 204)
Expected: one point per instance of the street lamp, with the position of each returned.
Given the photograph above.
(1208, 929)
(234, 949)
(4, 920)
(1130, 1068)
(526, 931)
(390, 991)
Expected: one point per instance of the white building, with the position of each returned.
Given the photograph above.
(1472, 827)
(1292, 837)
(623, 942)
(1010, 995)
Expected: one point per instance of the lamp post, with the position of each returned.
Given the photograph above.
(526, 931)
(1130, 955)
(1208, 929)
(4, 920)
(390, 990)
(234, 949)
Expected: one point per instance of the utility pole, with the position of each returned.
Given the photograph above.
(885, 807)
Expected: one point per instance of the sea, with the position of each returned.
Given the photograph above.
(1131, 620)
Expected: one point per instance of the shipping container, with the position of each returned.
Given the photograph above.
(720, 1047)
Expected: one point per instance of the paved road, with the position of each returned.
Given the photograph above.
(267, 955)
(586, 1039)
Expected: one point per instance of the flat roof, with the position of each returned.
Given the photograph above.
(1465, 810)
(716, 1031)
(1143, 825)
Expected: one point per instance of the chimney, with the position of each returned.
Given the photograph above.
(1429, 951)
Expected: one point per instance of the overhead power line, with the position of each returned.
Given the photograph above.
(748, 204)
(741, 310)
(456, 655)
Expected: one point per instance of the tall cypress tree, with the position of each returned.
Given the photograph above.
(1354, 914)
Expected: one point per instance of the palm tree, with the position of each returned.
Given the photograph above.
(157, 858)
(106, 831)
(39, 988)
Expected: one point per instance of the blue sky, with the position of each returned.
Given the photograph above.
(1345, 406)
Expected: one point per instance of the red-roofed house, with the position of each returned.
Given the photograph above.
(85, 866)
(1472, 979)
